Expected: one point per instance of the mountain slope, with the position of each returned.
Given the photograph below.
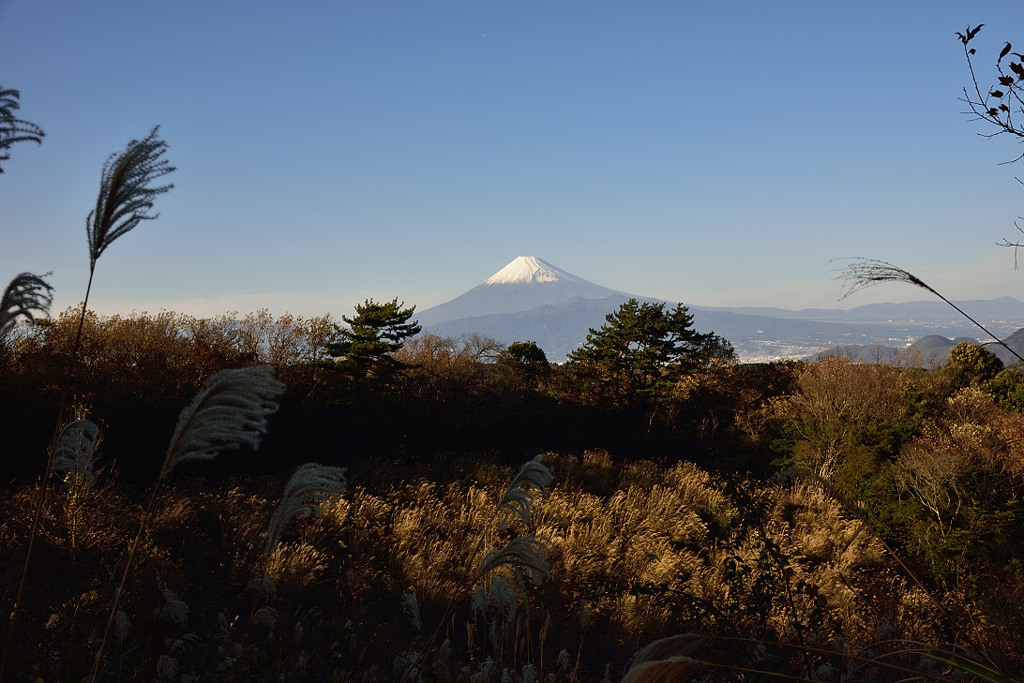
(525, 283)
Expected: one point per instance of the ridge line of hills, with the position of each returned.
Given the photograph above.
(531, 299)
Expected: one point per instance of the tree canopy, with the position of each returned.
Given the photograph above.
(970, 364)
(643, 340)
(377, 330)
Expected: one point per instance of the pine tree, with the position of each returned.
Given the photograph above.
(642, 341)
(373, 334)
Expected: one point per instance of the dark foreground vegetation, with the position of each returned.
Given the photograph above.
(827, 520)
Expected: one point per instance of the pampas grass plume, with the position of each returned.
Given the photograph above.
(229, 411)
(518, 501)
(122, 626)
(174, 609)
(76, 447)
(411, 609)
(126, 195)
(503, 598)
(263, 586)
(861, 273)
(666, 660)
(525, 552)
(13, 129)
(25, 294)
(308, 488)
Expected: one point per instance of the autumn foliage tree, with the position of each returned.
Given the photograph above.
(836, 407)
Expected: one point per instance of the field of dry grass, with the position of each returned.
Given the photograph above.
(779, 575)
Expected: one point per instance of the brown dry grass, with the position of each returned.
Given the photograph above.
(639, 551)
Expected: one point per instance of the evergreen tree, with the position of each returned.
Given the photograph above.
(374, 333)
(524, 354)
(521, 365)
(642, 343)
(971, 364)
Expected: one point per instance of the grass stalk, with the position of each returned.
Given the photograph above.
(126, 194)
(864, 272)
(143, 522)
(230, 410)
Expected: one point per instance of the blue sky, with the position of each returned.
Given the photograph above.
(709, 153)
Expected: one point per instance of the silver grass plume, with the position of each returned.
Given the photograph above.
(13, 129)
(126, 192)
(500, 598)
(25, 294)
(76, 447)
(503, 598)
(411, 609)
(487, 670)
(174, 609)
(306, 490)
(264, 586)
(862, 273)
(526, 552)
(265, 616)
(669, 659)
(478, 603)
(518, 501)
(122, 626)
(229, 411)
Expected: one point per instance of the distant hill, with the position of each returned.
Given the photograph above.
(930, 351)
(1015, 341)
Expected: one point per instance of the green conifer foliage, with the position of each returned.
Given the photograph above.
(377, 330)
(971, 364)
(641, 340)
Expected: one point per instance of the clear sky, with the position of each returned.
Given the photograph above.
(714, 153)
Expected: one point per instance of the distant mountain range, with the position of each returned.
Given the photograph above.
(1003, 308)
(531, 299)
(929, 352)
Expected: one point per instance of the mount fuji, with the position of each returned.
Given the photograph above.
(528, 299)
(525, 283)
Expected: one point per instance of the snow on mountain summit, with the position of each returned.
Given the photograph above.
(524, 269)
(525, 283)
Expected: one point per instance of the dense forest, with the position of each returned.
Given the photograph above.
(825, 520)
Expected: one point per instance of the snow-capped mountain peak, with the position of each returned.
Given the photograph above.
(525, 283)
(529, 269)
